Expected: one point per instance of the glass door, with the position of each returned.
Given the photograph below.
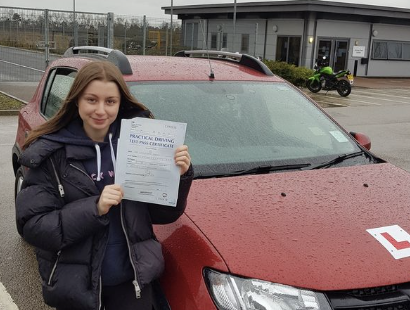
(325, 50)
(335, 52)
(340, 55)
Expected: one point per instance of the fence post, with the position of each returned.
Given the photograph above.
(75, 28)
(46, 43)
(166, 41)
(144, 34)
(125, 37)
(110, 30)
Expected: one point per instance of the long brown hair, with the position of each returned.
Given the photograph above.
(95, 70)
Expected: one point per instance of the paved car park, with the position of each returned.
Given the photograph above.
(379, 108)
(367, 92)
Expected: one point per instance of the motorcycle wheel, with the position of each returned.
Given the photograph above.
(313, 85)
(343, 88)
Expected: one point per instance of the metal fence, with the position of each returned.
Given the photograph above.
(46, 34)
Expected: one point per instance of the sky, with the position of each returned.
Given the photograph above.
(150, 8)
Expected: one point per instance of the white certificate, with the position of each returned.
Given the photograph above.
(145, 165)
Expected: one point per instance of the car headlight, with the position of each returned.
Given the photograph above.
(235, 293)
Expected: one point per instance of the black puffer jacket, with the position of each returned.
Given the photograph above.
(69, 235)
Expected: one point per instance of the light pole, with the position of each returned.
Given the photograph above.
(170, 39)
(234, 26)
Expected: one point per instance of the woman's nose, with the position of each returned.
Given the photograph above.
(100, 108)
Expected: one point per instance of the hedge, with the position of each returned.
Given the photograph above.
(295, 75)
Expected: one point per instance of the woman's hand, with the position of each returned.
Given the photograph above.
(182, 158)
(110, 196)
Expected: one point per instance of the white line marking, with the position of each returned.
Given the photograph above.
(18, 65)
(6, 302)
(350, 103)
(384, 99)
(381, 94)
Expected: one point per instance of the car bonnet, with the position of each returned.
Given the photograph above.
(310, 229)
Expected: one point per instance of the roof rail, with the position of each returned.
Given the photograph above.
(117, 57)
(243, 59)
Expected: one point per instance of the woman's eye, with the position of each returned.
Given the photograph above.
(111, 102)
(90, 100)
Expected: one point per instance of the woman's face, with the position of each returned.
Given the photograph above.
(98, 107)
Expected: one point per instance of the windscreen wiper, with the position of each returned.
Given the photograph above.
(338, 160)
(270, 168)
(255, 170)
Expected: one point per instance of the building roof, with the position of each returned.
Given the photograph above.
(378, 13)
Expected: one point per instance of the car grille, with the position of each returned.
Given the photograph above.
(391, 297)
(373, 291)
(400, 306)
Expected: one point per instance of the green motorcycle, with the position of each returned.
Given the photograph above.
(324, 78)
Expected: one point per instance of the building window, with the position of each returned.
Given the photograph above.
(288, 49)
(245, 43)
(191, 35)
(219, 40)
(391, 50)
(214, 38)
(225, 40)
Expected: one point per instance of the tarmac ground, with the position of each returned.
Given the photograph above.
(23, 91)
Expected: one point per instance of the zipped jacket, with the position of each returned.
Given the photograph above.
(69, 235)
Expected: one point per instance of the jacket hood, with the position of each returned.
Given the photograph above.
(74, 134)
(308, 229)
(73, 137)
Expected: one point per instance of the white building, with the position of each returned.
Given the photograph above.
(369, 40)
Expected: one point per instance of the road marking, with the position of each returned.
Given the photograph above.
(18, 65)
(6, 302)
(364, 102)
(383, 99)
(350, 102)
(380, 93)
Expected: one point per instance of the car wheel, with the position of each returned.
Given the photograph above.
(19, 181)
(344, 88)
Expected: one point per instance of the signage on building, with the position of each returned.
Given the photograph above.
(359, 51)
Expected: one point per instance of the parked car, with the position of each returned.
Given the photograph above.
(287, 211)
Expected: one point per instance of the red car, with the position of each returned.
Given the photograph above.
(287, 211)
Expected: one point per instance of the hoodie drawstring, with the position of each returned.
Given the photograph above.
(112, 151)
(98, 150)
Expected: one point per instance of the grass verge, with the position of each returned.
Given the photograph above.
(9, 103)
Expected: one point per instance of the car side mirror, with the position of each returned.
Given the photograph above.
(362, 139)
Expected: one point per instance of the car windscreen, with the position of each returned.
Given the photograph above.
(234, 125)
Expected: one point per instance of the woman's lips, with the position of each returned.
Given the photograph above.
(99, 121)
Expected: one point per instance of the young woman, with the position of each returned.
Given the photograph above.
(94, 249)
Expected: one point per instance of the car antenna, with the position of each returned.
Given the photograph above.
(211, 74)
